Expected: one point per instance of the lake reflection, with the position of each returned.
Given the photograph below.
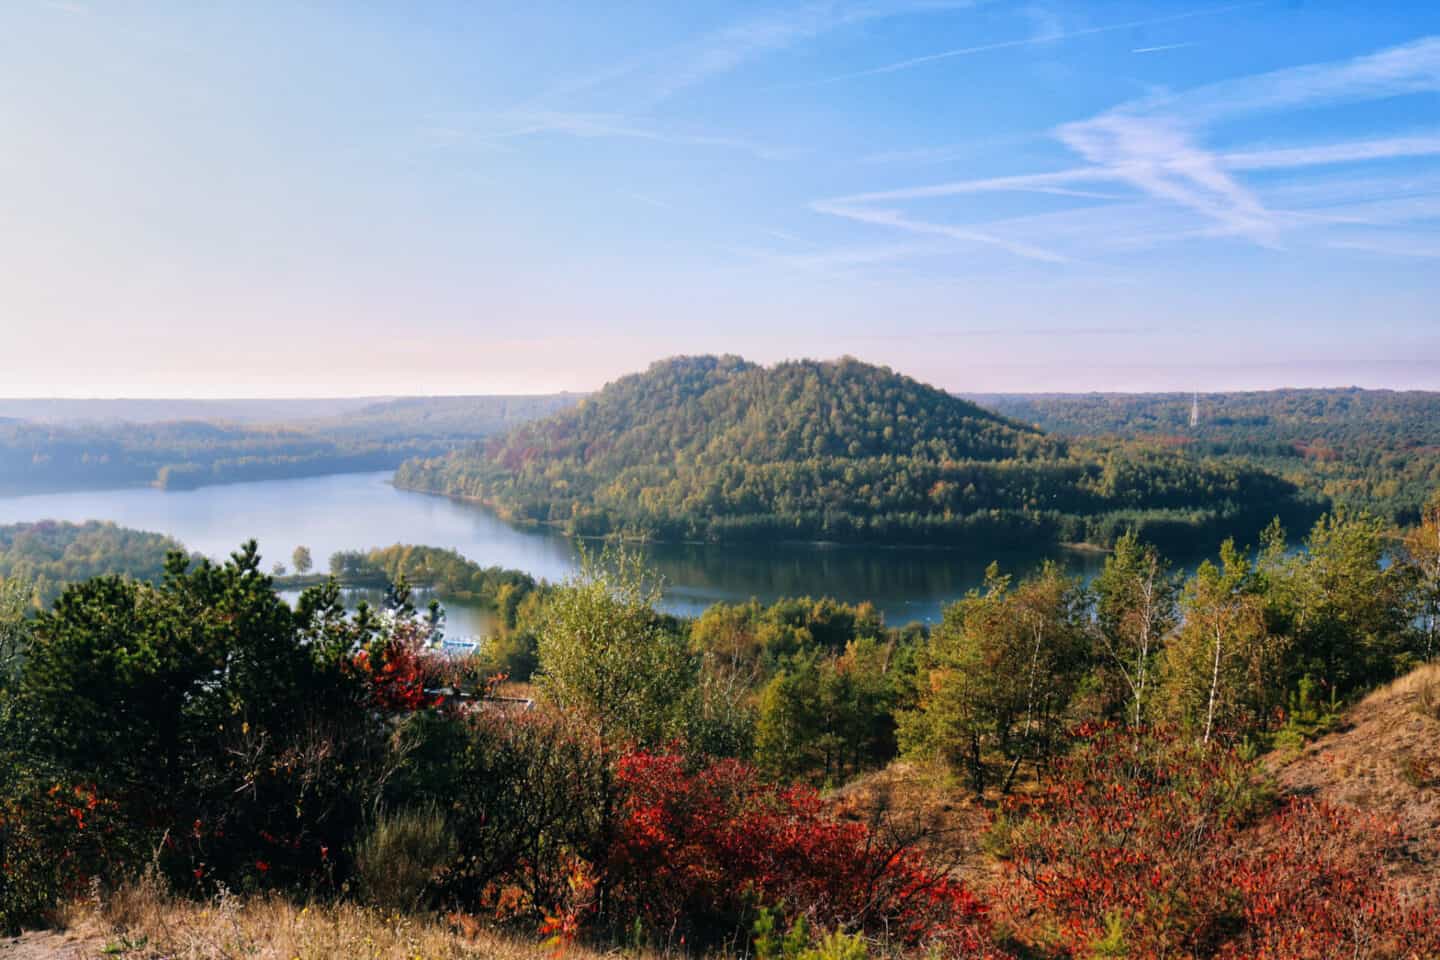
(362, 510)
(905, 583)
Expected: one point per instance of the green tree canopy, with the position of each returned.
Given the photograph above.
(1222, 670)
(607, 655)
(999, 675)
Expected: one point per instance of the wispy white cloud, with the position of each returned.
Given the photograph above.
(1161, 48)
(1044, 22)
(1406, 69)
(846, 257)
(1374, 213)
(942, 153)
(898, 221)
(1163, 159)
(784, 235)
(729, 47)
(1424, 248)
(660, 76)
(1029, 41)
(1155, 144)
(1350, 185)
(650, 201)
(1156, 147)
(1287, 158)
(1259, 158)
(1024, 183)
(917, 155)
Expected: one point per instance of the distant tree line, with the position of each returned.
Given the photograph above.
(48, 554)
(191, 453)
(1372, 450)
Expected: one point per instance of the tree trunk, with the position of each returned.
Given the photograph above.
(1214, 686)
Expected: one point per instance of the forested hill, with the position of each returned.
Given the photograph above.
(1375, 450)
(716, 409)
(718, 448)
(178, 454)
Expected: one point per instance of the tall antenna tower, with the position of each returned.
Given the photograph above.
(1195, 411)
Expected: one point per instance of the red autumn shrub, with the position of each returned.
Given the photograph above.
(696, 849)
(1125, 837)
(53, 842)
(397, 668)
(1147, 845)
(1318, 888)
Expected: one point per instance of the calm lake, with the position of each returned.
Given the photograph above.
(362, 510)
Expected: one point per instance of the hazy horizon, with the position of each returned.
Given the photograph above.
(380, 398)
(271, 200)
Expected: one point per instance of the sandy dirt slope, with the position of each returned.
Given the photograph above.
(1384, 760)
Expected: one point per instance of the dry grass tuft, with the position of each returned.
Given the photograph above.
(1421, 688)
(142, 922)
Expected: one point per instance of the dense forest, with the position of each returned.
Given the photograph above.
(1085, 770)
(37, 456)
(715, 448)
(48, 555)
(1377, 450)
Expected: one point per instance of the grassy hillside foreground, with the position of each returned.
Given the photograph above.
(1383, 760)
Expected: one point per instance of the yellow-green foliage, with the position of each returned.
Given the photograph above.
(837, 945)
(401, 854)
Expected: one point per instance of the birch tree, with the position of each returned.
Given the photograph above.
(1222, 669)
(1135, 610)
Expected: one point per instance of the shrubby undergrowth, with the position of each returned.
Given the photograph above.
(659, 783)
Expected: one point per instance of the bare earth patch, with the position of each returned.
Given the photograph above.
(74, 944)
(1385, 761)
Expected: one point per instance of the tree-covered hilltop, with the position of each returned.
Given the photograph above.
(1375, 450)
(716, 448)
(49, 554)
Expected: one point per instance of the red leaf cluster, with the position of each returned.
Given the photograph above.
(397, 670)
(1161, 848)
(1318, 888)
(697, 848)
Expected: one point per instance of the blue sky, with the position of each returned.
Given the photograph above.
(307, 198)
